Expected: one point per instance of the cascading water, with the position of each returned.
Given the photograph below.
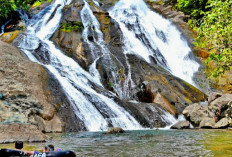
(147, 34)
(96, 110)
(93, 36)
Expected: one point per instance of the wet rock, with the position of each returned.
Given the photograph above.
(8, 37)
(115, 130)
(149, 115)
(159, 99)
(20, 132)
(181, 125)
(173, 90)
(196, 113)
(223, 123)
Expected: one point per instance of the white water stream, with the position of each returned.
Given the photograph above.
(147, 34)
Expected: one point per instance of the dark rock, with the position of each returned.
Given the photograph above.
(181, 125)
(115, 130)
(149, 115)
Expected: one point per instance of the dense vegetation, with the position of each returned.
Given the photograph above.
(212, 20)
(8, 7)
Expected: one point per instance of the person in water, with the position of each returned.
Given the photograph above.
(48, 148)
(18, 145)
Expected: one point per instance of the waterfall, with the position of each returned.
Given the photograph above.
(93, 36)
(148, 35)
(96, 109)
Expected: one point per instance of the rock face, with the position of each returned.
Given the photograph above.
(181, 125)
(24, 85)
(27, 98)
(115, 130)
(20, 132)
(149, 115)
(215, 114)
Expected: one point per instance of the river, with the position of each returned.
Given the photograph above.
(158, 143)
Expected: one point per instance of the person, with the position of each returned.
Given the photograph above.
(18, 145)
(48, 148)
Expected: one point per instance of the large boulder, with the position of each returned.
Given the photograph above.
(221, 104)
(223, 123)
(213, 96)
(196, 113)
(207, 122)
(181, 125)
(221, 100)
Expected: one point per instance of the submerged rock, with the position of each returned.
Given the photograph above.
(181, 125)
(115, 130)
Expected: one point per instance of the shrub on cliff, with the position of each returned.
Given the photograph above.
(214, 33)
(7, 7)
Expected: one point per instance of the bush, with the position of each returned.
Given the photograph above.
(7, 7)
(215, 34)
(195, 8)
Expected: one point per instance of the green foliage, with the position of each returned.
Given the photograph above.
(71, 26)
(215, 34)
(7, 7)
(195, 8)
(211, 19)
(38, 3)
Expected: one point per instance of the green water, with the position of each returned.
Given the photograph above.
(154, 143)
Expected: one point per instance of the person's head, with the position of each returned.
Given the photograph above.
(48, 148)
(18, 145)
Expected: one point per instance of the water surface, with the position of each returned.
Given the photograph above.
(160, 143)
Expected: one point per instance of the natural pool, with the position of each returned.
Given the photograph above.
(160, 143)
